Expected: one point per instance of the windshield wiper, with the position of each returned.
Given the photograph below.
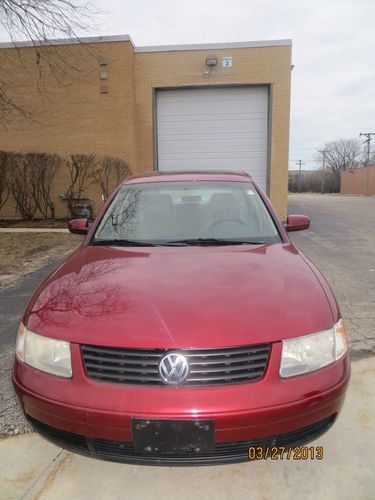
(211, 241)
(122, 243)
(177, 243)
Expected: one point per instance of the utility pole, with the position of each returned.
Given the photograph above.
(368, 136)
(299, 163)
(323, 152)
(368, 140)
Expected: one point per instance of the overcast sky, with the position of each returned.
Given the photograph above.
(333, 81)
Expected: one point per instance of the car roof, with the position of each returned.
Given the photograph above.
(196, 175)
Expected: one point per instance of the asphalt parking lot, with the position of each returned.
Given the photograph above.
(341, 242)
(13, 300)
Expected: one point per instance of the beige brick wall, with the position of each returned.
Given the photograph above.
(73, 116)
(268, 65)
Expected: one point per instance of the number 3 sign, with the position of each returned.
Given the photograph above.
(226, 62)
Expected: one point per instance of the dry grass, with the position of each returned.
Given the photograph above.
(46, 223)
(22, 253)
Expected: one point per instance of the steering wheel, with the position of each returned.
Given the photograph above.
(228, 219)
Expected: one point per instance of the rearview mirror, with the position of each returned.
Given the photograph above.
(78, 226)
(297, 223)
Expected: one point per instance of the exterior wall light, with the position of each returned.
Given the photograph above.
(211, 61)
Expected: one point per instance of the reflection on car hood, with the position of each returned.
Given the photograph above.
(180, 297)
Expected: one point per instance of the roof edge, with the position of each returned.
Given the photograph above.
(67, 41)
(151, 48)
(215, 46)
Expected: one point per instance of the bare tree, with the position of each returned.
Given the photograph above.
(109, 173)
(317, 181)
(341, 155)
(20, 182)
(4, 178)
(43, 168)
(39, 22)
(81, 170)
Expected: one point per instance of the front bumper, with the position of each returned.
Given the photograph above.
(249, 412)
(223, 453)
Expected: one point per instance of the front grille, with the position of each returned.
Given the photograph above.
(222, 453)
(206, 366)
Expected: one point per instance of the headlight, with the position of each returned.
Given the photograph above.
(43, 353)
(309, 353)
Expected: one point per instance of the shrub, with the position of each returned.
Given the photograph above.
(313, 182)
(31, 179)
(4, 178)
(110, 171)
(81, 170)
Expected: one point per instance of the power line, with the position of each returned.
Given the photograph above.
(306, 161)
(368, 140)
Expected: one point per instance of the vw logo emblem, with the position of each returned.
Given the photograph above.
(173, 368)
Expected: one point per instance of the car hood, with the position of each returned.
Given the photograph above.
(180, 297)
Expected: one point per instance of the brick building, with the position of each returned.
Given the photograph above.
(213, 106)
(360, 181)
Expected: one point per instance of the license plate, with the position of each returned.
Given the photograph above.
(173, 436)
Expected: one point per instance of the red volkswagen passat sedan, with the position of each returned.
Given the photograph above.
(184, 330)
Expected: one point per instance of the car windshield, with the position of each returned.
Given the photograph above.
(186, 213)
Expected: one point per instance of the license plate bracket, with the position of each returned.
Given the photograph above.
(173, 436)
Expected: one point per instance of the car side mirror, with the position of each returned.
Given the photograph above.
(78, 226)
(297, 223)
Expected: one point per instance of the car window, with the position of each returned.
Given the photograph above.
(174, 211)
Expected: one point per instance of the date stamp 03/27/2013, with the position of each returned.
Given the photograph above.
(283, 453)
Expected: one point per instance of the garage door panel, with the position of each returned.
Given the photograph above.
(225, 143)
(212, 94)
(214, 128)
(208, 159)
(212, 108)
(236, 162)
(211, 164)
(220, 163)
(201, 145)
(254, 125)
(188, 137)
(216, 164)
(222, 135)
(225, 155)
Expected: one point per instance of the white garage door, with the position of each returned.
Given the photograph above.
(213, 129)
